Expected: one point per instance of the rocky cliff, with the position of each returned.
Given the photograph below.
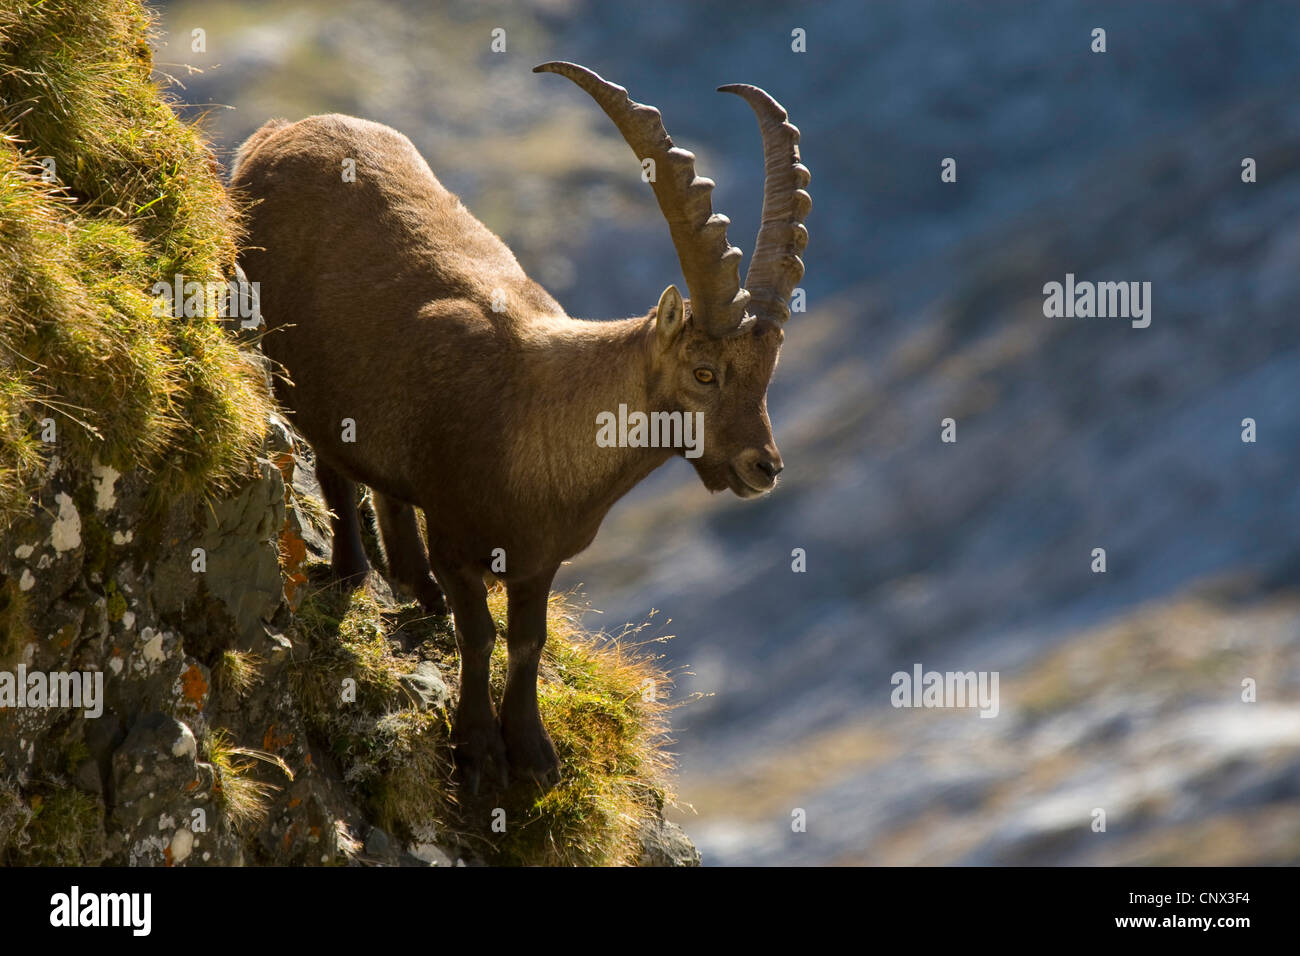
(179, 682)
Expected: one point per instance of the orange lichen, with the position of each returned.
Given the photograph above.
(293, 552)
(193, 687)
(271, 743)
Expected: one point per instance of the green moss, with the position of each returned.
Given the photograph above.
(116, 602)
(398, 760)
(95, 540)
(347, 645)
(74, 754)
(61, 827)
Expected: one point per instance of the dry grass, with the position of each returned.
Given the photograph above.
(243, 799)
(237, 671)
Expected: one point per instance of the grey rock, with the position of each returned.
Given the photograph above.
(426, 685)
(666, 844)
(378, 843)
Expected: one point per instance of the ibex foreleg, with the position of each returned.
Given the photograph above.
(478, 749)
(528, 745)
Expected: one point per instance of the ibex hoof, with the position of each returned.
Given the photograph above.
(480, 758)
(430, 597)
(533, 757)
(349, 579)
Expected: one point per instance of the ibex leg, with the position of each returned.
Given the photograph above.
(475, 736)
(349, 558)
(399, 533)
(527, 743)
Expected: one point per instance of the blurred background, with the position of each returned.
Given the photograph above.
(1119, 691)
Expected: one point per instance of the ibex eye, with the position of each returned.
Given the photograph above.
(704, 376)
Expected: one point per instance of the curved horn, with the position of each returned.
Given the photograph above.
(710, 264)
(775, 268)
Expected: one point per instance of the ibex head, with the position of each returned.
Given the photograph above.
(715, 353)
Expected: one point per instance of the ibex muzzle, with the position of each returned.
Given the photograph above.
(422, 362)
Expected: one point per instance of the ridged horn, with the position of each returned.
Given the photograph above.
(710, 264)
(775, 268)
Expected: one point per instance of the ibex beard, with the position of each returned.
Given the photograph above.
(470, 394)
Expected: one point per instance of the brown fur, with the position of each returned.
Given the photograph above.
(378, 298)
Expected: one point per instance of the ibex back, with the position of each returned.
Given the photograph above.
(422, 362)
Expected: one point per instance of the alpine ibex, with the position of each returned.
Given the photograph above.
(423, 363)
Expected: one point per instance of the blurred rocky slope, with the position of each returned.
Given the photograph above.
(925, 302)
(1141, 718)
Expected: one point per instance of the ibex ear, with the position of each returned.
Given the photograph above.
(670, 316)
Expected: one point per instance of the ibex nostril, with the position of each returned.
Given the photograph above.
(769, 469)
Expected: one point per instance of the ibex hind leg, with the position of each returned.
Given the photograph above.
(399, 534)
(349, 558)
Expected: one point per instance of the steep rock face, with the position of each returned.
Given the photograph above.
(187, 745)
(150, 609)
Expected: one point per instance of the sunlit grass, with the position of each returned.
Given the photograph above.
(134, 199)
(604, 702)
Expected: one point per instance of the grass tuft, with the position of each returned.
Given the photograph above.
(243, 799)
(604, 701)
(104, 192)
(237, 671)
